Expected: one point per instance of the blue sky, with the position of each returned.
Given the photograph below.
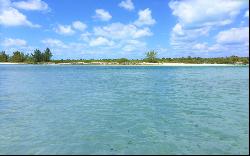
(125, 28)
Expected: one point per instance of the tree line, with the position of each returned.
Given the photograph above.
(35, 57)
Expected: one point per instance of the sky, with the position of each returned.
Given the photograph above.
(96, 29)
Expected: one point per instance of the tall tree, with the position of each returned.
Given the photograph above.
(18, 57)
(37, 56)
(47, 55)
(3, 57)
(151, 56)
(29, 58)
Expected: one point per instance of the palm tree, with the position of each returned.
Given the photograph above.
(151, 56)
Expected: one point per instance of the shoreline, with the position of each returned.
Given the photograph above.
(10, 63)
(139, 64)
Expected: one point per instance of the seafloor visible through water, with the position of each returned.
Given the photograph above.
(123, 110)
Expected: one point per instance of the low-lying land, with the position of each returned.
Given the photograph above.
(151, 59)
(137, 64)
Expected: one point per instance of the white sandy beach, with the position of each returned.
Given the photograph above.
(139, 64)
(186, 64)
(152, 64)
(9, 63)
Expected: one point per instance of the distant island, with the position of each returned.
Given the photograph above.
(38, 57)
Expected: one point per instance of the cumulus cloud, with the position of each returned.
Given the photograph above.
(85, 36)
(133, 45)
(10, 16)
(125, 37)
(232, 41)
(13, 42)
(178, 29)
(145, 18)
(206, 13)
(64, 50)
(216, 48)
(200, 46)
(203, 15)
(233, 35)
(64, 30)
(122, 31)
(50, 42)
(79, 25)
(31, 5)
(186, 36)
(70, 29)
(139, 33)
(196, 19)
(102, 15)
(100, 41)
(127, 4)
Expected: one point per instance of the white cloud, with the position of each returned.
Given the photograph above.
(13, 42)
(127, 4)
(12, 17)
(102, 15)
(145, 18)
(64, 30)
(70, 29)
(197, 18)
(207, 13)
(79, 25)
(50, 42)
(126, 36)
(31, 5)
(234, 41)
(246, 14)
(115, 36)
(185, 36)
(122, 31)
(62, 49)
(85, 36)
(221, 49)
(200, 46)
(133, 45)
(142, 33)
(233, 35)
(216, 48)
(100, 41)
(178, 29)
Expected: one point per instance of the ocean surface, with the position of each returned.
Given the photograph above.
(67, 109)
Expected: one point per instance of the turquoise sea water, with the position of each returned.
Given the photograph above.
(123, 110)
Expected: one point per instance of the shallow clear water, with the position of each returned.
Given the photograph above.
(123, 110)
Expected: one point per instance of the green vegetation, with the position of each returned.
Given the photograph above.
(123, 61)
(3, 57)
(151, 57)
(47, 55)
(20, 57)
(191, 60)
(38, 56)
